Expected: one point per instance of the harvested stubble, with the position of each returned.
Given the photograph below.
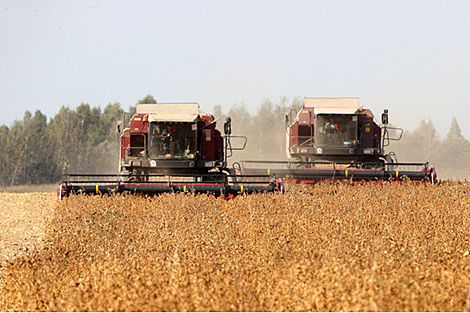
(23, 217)
(385, 247)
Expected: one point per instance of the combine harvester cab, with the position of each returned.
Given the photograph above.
(172, 147)
(336, 139)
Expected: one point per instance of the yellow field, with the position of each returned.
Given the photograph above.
(379, 247)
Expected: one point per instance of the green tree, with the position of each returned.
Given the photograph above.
(19, 145)
(5, 158)
(36, 151)
(66, 134)
(15, 150)
(23, 157)
(147, 100)
(111, 114)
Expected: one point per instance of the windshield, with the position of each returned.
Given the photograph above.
(335, 130)
(172, 141)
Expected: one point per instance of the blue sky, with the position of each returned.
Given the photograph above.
(412, 57)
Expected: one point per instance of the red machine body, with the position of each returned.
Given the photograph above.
(334, 130)
(171, 138)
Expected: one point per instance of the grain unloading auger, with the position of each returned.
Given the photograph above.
(171, 147)
(335, 139)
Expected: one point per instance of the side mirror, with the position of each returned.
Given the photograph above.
(385, 117)
(119, 127)
(228, 126)
(290, 117)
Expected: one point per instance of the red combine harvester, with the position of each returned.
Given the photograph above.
(171, 147)
(336, 139)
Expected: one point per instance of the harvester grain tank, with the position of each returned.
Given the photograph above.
(167, 147)
(336, 138)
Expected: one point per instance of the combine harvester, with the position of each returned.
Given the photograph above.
(172, 147)
(336, 139)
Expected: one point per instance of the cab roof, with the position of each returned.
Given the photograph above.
(332, 105)
(169, 112)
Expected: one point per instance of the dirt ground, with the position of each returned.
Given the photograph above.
(23, 221)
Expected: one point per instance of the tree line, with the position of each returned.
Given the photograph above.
(35, 150)
(449, 154)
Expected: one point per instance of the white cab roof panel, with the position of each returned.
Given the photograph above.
(332, 105)
(169, 112)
